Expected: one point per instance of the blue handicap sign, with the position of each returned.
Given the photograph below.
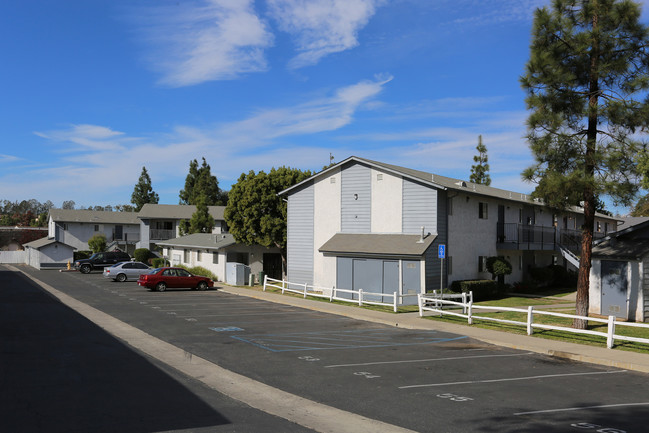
(441, 251)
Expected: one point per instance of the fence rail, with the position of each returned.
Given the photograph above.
(333, 294)
(435, 304)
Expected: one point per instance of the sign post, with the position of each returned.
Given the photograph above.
(441, 254)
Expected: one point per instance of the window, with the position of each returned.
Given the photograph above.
(599, 226)
(483, 210)
(96, 227)
(186, 256)
(520, 216)
(605, 228)
(215, 258)
(199, 255)
(482, 263)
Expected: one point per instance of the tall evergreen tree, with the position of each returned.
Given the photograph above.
(200, 181)
(255, 214)
(480, 171)
(587, 71)
(143, 192)
(201, 220)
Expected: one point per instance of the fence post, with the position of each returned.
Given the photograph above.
(420, 303)
(305, 284)
(333, 294)
(283, 284)
(530, 319)
(470, 313)
(360, 297)
(463, 302)
(265, 281)
(395, 302)
(611, 332)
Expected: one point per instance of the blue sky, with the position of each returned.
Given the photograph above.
(92, 91)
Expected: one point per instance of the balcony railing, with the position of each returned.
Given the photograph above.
(528, 237)
(159, 234)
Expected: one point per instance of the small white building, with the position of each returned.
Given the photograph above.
(619, 276)
(214, 251)
(48, 253)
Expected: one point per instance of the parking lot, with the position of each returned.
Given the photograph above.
(423, 380)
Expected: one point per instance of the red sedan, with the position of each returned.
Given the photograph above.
(173, 278)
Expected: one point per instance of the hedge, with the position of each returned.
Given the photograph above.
(483, 290)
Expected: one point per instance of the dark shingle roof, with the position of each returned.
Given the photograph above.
(201, 240)
(176, 211)
(93, 216)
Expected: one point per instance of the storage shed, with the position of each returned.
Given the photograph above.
(619, 276)
(46, 253)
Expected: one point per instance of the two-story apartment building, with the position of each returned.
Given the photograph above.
(76, 227)
(363, 224)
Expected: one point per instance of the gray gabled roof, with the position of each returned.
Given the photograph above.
(201, 240)
(176, 211)
(437, 181)
(93, 216)
(377, 244)
(629, 243)
(42, 242)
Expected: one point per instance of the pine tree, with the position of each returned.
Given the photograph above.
(200, 181)
(480, 171)
(201, 220)
(588, 64)
(143, 192)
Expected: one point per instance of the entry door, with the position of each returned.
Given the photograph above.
(614, 288)
(411, 277)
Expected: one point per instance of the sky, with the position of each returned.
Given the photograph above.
(92, 91)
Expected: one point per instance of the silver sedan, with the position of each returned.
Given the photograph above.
(123, 271)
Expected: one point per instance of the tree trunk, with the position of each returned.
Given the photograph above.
(583, 281)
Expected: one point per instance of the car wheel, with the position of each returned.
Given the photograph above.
(161, 287)
(202, 285)
(85, 269)
(121, 278)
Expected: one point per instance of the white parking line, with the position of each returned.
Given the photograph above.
(454, 358)
(568, 409)
(509, 379)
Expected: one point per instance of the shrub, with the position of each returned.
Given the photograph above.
(97, 243)
(498, 267)
(158, 262)
(199, 270)
(483, 290)
(142, 255)
(79, 255)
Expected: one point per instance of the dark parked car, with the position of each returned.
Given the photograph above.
(101, 260)
(162, 278)
(126, 271)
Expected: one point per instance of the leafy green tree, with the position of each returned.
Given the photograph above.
(200, 181)
(587, 67)
(255, 214)
(142, 255)
(201, 220)
(97, 243)
(480, 171)
(641, 208)
(143, 192)
(498, 267)
(68, 204)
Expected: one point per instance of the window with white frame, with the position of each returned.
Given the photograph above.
(215, 257)
(186, 256)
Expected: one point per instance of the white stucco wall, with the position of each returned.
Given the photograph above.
(387, 202)
(327, 222)
(470, 237)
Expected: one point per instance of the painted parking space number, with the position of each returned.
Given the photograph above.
(454, 397)
(596, 427)
(366, 374)
(309, 358)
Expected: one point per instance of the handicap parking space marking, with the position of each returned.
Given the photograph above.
(512, 379)
(340, 340)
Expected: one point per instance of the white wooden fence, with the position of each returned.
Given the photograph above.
(332, 293)
(435, 304)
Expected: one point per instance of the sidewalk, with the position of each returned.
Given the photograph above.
(576, 352)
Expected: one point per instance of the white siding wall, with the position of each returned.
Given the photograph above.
(386, 202)
(327, 219)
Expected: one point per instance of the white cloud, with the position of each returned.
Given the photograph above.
(324, 114)
(322, 27)
(207, 40)
(87, 137)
